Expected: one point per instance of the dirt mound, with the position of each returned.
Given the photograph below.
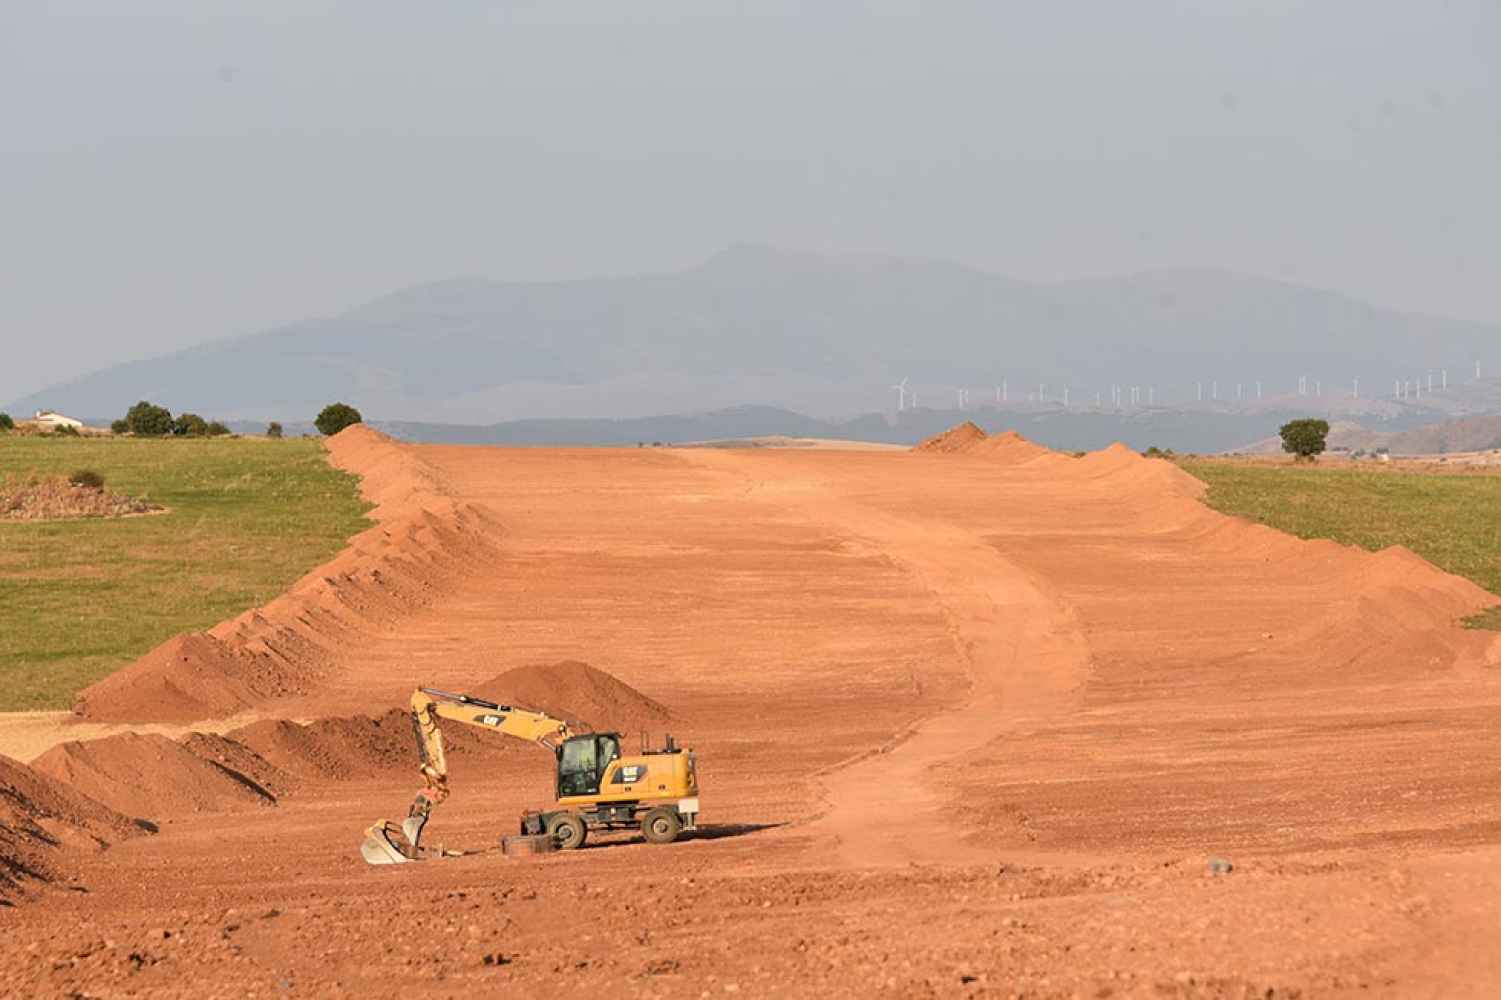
(49, 498)
(1128, 469)
(423, 543)
(150, 776)
(968, 439)
(577, 692)
(41, 820)
(961, 437)
(185, 678)
(352, 747)
(1009, 446)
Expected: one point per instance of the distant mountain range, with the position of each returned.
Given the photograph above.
(823, 335)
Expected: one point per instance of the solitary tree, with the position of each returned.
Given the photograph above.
(335, 417)
(148, 420)
(1305, 439)
(189, 425)
(6, 423)
(216, 428)
(273, 430)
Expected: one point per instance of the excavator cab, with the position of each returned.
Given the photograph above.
(582, 761)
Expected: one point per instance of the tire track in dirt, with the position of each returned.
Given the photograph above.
(1025, 654)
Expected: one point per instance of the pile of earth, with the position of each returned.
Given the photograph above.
(53, 498)
(42, 821)
(969, 439)
(960, 437)
(158, 778)
(424, 543)
(576, 692)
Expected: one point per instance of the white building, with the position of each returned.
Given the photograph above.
(51, 420)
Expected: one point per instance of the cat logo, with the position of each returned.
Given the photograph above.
(491, 720)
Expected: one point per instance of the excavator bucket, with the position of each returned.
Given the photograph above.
(386, 843)
(381, 846)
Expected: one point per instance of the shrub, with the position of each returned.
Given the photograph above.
(217, 428)
(148, 420)
(1156, 452)
(335, 417)
(6, 423)
(273, 430)
(65, 430)
(88, 478)
(120, 427)
(189, 425)
(1305, 439)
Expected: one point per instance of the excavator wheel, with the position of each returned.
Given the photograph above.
(661, 825)
(568, 830)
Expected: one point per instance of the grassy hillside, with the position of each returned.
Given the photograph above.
(78, 599)
(1451, 519)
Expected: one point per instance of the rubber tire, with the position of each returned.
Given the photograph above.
(568, 830)
(661, 825)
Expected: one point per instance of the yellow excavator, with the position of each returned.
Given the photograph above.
(597, 788)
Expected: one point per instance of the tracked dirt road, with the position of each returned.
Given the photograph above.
(1020, 648)
(970, 722)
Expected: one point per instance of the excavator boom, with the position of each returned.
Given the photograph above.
(381, 846)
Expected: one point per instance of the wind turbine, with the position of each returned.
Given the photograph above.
(901, 395)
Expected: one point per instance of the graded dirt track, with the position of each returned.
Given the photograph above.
(970, 721)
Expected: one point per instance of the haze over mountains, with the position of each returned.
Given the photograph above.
(822, 335)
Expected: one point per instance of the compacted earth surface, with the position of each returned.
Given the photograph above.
(977, 719)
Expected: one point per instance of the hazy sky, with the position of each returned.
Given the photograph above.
(192, 170)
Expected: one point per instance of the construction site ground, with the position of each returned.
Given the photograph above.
(973, 720)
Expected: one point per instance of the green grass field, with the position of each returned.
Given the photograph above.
(1451, 519)
(80, 598)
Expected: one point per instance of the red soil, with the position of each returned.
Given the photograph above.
(576, 692)
(961, 437)
(42, 822)
(335, 749)
(151, 777)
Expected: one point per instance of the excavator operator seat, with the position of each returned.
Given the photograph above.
(582, 761)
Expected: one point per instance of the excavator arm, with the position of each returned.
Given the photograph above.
(381, 845)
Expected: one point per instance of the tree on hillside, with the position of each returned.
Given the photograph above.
(1305, 438)
(6, 423)
(335, 417)
(189, 425)
(273, 430)
(148, 420)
